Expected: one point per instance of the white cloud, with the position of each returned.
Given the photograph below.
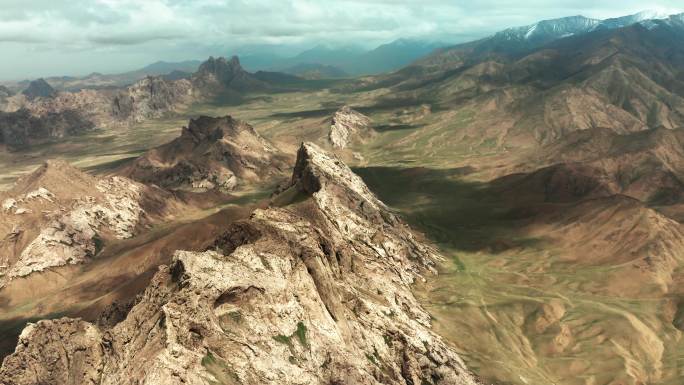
(44, 36)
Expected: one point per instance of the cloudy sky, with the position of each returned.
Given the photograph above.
(76, 37)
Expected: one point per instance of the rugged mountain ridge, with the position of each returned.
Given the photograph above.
(625, 79)
(311, 290)
(349, 126)
(516, 42)
(149, 98)
(211, 153)
(20, 129)
(58, 215)
(40, 119)
(647, 165)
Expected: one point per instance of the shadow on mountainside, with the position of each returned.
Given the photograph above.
(116, 275)
(316, 113)
(468, 216)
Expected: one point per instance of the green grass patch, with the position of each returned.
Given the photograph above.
(301, 334)
(283, 339)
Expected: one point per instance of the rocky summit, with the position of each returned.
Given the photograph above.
(312, 290)
(218, 75)
(151, 97)
(211, 153)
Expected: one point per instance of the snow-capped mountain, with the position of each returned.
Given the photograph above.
(619, 22)
(672, 21)
(546, 31)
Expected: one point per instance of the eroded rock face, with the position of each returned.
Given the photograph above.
(211, 153)
(21, 128)
(39, 114)
(315, 291)
(5, 92)
(151, 97)
(59, 215)
(349, 126)
(79, 363)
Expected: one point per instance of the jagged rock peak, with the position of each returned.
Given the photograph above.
(39, 89)
(348, 125)
(224, 69)
(316, 168)
(62, 216)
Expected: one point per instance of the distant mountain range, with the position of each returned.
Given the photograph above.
(318, 62)
(543, 32)
(345, 61)
(540, 83)
(522, 40)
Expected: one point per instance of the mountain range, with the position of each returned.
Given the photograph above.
(317, 62)
(513, 214)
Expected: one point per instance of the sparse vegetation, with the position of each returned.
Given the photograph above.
(223, 373)
(299, 333)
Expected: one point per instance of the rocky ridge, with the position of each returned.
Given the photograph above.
(58, 216)
(152, 97)
(21, 128)
(211, 153)
(646, 165)
(347, 126)
(148, 98)
(33, 119)
(314, 289)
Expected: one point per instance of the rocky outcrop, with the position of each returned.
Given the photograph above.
(40, 113)
(211, 153)
(218, 75)
(72, 366)
(39, 89)
(151, 97)
(349, 126)
(314, 290)
(30, 119)
(21, 128)
(148, 98)
(58, 216)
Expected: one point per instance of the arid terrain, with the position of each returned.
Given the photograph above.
(492, 213)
